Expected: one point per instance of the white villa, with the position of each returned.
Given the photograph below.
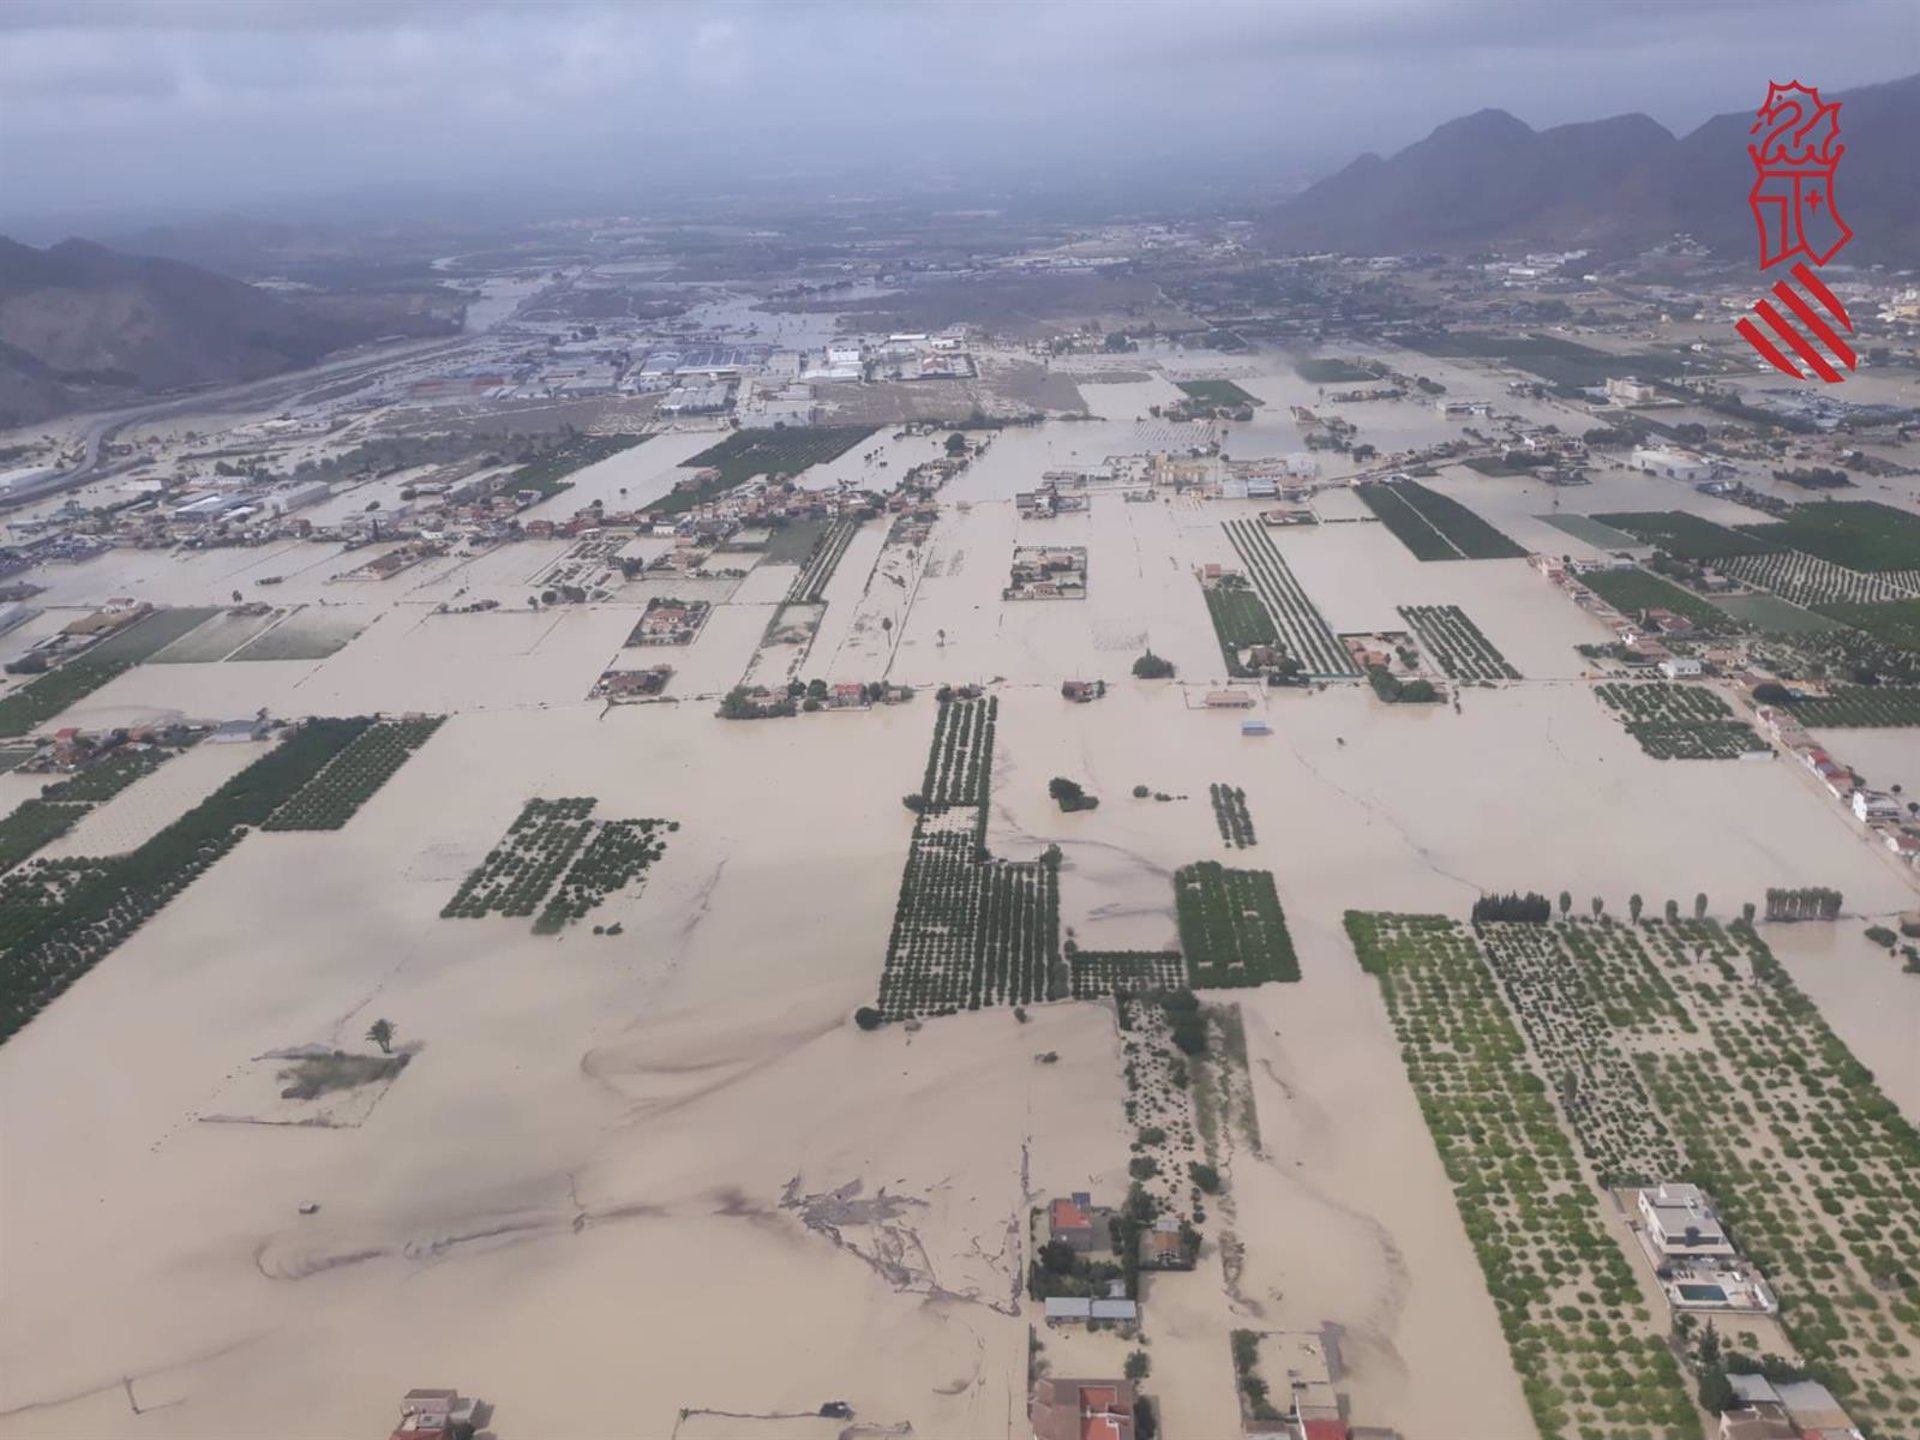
(1682, 1225)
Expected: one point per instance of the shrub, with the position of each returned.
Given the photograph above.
(1205, 1176)
(868, 1018)
(1881, 936)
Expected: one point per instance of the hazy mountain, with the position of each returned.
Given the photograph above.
(82, 325)
(1490, 178)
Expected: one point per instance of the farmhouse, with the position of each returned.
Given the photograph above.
(1081, 1409)
(1789, 1410)
(1068, 1309)
(1073, 1221)
(1681, 667)
(232, 732)
(1229, 700)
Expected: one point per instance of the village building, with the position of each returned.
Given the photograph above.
(1672, 464)
(1082, 1309)
(1073, 1220)
(1870, 805)
(1063, 1409)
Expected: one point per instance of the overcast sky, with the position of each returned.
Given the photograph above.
(120, 105)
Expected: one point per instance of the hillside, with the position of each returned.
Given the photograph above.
(1488, 178)
(81, 325)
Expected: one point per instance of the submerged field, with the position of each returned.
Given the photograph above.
(631, 1049)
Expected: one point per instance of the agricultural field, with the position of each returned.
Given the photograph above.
(1240, 619)
(1679, 1047)
(1895, 623)
(1409, 526)
(1232, 929)
(549, 473)
(1632, 592)
(810, 585)
(63, 804)
(335, 795)
(1332, 372)
(1771, 615)
(1096, 973)
(1816, 1171)
(1557, 361)
(309, 633)
(1592, 1359)
(1221, 393)
(1456, 644)
(1860, 707)
(617, 855)
(147, 637)
(968, 930)
(960, 761)
(1303, 629)
(38, 701)
(1684, 535)
(1680, 722)
(1591, 530)
(1230, 813)
(1575, 988)
(101, 782)
(32, 824)
(1435, 526)
(1809, 580)
(1854, 534)
(747, 453)
(58, 919)
(533, 854)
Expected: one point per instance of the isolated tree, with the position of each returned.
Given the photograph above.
(1634, 906)
(1566, 903)
(236, 597)
(381, 1034)
(1599, 906)
(956, 444)
(1673, 912)
(1746, 912)
(1700, 906)
(941, 636)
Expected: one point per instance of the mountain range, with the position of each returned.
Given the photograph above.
(84, 326)
(1488, 178)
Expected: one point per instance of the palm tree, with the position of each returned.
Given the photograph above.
(381, 1034)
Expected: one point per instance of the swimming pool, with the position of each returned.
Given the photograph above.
(1708, 1294)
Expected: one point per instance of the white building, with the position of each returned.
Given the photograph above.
(1681, 1223)
(1681, 667)
(1875, 805)
(1626, 390)
(1681, 465)
(844, 354)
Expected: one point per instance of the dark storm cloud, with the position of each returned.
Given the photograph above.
(210, 101)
